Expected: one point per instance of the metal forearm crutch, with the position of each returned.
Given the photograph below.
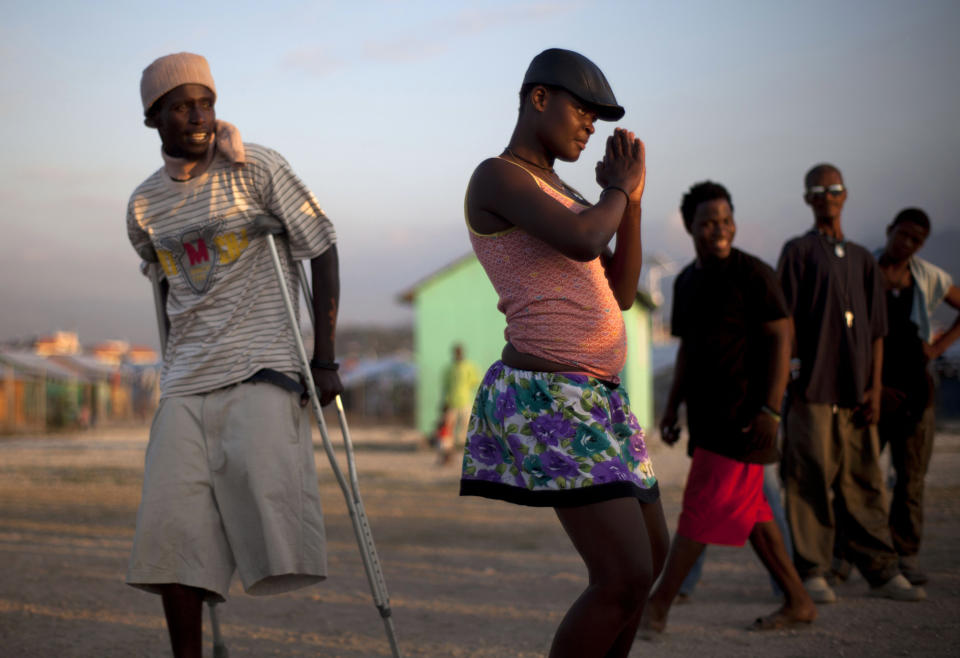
(351, 489)
(152, 269)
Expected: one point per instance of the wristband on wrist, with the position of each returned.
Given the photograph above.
(770, 412)
(324, 365)
(617, 187)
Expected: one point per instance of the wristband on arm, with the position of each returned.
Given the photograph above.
(770, 412)
(620, 189)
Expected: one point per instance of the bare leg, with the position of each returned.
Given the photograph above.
(659, 535)
(768, 544)
(683, 555)
(183, 607)
(659, 545)
(613, 541)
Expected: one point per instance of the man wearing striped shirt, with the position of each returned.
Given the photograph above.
(230, 482)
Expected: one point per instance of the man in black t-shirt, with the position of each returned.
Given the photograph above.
(835, 495)
(731, 371)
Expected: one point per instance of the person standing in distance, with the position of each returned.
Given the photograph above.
(914, 289)
(835, 496)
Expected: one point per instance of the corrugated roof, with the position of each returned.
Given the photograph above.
(36, 365)
(86, 365)
(391, 368)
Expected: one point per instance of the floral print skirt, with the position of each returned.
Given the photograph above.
(551, 439)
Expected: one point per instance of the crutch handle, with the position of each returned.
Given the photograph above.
(268, 224)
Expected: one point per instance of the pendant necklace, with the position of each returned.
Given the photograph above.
(840, 251)
(838, 247)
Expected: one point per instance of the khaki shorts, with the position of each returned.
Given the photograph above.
(230, 484)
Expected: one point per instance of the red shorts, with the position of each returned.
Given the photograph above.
(723, 500)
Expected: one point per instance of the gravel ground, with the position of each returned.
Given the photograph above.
(467, 577)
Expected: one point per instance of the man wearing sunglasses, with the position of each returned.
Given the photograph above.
(835, 495)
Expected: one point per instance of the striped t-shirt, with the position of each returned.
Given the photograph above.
(227, 318)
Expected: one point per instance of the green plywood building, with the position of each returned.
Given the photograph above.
(458, 304)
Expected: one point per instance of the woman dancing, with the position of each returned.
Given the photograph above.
(551, 425)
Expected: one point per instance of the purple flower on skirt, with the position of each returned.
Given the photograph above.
(514, 442)
(579, 380)
(611, 471)
(590, 440)
(556, 464)
(487, 474)
(600, 415)
(617, 414)
(637, 446)
(506, 404)
(550, 429)
(485, 449)
(492, 373)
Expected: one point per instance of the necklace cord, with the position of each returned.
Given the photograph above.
(566, 189)
(529, 162)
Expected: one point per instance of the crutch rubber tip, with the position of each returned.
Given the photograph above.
(220, 651)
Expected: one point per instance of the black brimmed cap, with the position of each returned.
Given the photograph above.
(578, 75)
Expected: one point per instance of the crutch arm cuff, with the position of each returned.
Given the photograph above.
(324, 365)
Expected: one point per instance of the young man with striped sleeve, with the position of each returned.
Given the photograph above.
(230, 482)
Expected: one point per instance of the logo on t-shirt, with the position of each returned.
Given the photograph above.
(198, 250)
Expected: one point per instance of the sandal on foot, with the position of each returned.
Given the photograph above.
(777, 622)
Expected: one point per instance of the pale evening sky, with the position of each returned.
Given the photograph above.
(384, 109)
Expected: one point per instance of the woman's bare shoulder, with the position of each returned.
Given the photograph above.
(491, 179)
(495, 178)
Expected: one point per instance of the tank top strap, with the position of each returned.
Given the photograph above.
(570, 202)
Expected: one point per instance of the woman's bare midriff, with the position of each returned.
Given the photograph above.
(522, 361)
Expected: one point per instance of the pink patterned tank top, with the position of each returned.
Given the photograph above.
(556, 308)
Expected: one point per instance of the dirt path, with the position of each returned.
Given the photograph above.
(467, 577)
